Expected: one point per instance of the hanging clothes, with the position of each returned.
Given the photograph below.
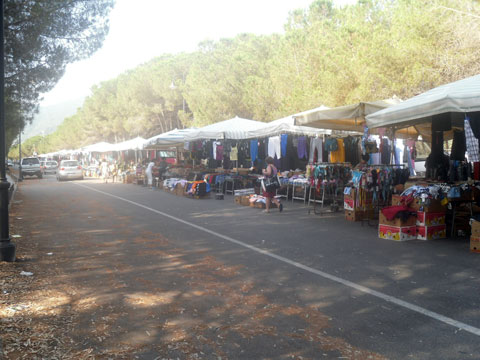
(219, 152)
(234, 153)
(274, 147)
(253, 150)
(459, 146)
(283, 144)
(375, 159)
(385, 150)
(338, 156)
(302, 147)
(316, 144)
(472, 142)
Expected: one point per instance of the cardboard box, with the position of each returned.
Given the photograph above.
(354, 215)
(430, 218)
(242, 200)
(434, 205)
(179, 190)
(245, 200)
(399, 222)
(475, 228)
(348, 203)
(397, 233)
(396, 200)
(431, 232)
(475, 244)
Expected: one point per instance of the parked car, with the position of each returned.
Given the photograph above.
(50, 167)
(69, 169)
(31, 167)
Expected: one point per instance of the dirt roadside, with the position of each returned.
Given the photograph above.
(200, 308)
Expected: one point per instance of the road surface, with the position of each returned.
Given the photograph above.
(129, 272)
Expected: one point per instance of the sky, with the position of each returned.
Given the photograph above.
(143, 29)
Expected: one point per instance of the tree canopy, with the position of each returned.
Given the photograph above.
(327, 55)
(41, 38)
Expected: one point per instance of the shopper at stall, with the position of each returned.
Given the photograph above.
(162, 167)
(149, 173)
(269, 172)
(114, 170)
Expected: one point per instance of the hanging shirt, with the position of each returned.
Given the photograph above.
(472, 142)
(339, 155)
(234, 153)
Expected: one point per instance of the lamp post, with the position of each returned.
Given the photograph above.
(7, 248)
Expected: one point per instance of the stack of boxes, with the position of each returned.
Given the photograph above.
(428, 223)
(352, 211)
(475, 237)
(399, 229)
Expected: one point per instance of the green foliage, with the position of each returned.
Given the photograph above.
(327, 55)
(41, 38)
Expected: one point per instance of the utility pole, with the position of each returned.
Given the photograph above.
(7, 248)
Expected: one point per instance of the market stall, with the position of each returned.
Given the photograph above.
(450, 111)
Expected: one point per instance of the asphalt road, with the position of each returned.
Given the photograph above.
(155, 275)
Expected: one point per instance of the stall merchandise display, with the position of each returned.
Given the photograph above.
(288, 151)
(372, 187)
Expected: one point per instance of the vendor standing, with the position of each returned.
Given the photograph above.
(162, 166)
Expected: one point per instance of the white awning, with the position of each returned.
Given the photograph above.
(235, 129)
(456, 98)
(172, 138)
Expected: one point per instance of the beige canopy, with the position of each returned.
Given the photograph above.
(348, 117)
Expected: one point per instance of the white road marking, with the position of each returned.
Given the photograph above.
(364, 289)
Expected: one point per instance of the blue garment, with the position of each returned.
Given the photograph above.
(283, 144)
(253, 149)
(398, 152)
(302, 148)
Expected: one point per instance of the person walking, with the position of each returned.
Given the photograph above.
(149, 173)
(269, 172)
(114, 170)
(105, 170)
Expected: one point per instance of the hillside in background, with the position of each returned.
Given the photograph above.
(49, 117)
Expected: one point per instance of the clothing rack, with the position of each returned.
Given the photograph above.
(331, 192)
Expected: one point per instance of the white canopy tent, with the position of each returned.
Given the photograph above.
(456, 98)
(346, 118)
(284, 128)
(235, 129)
(98, 147)
(132, 144)
(172, 138)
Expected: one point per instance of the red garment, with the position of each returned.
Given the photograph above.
(390, 212)
(476, 170)
(268, 194)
